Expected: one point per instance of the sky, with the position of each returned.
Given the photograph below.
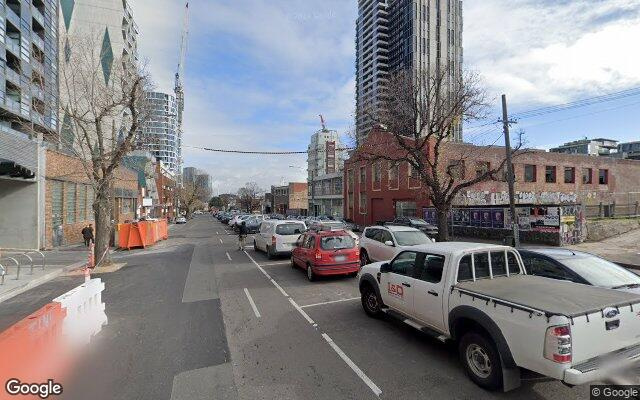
(258, 73)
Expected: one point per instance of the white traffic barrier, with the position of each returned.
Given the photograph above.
(85, 311)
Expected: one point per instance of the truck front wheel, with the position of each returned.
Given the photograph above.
(481, 360)
(371, 302)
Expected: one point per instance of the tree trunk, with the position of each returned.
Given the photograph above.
(102, 212)
(443, 223)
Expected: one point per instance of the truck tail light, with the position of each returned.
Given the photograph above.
(318, 255)
(557, 344)
(273, 241)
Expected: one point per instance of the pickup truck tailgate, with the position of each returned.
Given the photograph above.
(598, 335)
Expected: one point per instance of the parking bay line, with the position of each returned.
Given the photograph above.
(253, 305)
(376, 390)
(221, 242)
(275, 263)
(330, 302)
(229, 257)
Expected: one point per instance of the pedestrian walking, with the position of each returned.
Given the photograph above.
(86, 235)
(242, 235)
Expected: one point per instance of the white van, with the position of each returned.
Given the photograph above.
(278, 237)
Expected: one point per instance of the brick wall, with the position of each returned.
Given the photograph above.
(68, 171)
(372, 192)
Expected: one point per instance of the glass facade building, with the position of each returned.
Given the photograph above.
(160, 134)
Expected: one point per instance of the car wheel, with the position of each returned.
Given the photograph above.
(293, 263)
(481, 360)
(310, 275)
(270, 254)
(255, 246)
(364, 258)
(371, 302)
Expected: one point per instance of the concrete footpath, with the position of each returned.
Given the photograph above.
(57, 262)
(623, 249)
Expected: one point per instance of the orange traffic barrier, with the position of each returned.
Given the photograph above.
(142, 233)
(33, 350)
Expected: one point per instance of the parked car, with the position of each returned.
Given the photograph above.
(326, 253)
(181, 220)
(418, 223)
(253, 223)
(501, 319)
(327, 225)
(579, 267)
(278, 236)
(382, 243)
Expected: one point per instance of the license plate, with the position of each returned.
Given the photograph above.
(340, 258)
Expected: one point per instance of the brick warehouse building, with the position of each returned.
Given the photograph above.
(69, 198)
(555, 192)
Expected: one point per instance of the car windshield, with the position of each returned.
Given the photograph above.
(411, 238)
(600, 272)
(337, 242)
(417, 221)
(290, 229)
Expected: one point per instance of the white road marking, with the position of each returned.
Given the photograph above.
(253, 305)
(217, 233)
(279, 288)
(221, 242)
(330, 302)
(301, 311)
(275, 263)
(376, 390)
(258, 265)
(228, 256)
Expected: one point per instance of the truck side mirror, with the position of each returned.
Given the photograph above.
(386, 267)
(389, 243)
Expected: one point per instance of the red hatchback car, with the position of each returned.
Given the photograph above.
(326, 253)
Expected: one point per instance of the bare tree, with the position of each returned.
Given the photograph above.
(189, 196)
(102, 107)
(249, 196)
(417, 119)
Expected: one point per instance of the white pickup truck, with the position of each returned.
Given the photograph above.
(502, 319)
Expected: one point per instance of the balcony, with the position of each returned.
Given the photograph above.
(12, 104)
(37, 92)
(37, 15)
(13, 17)
(37, 66)
(37, 117)
(12, 76)
(13, 45)
(38, 42)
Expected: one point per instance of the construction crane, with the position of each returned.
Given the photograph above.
(179, 89)
(324, 127)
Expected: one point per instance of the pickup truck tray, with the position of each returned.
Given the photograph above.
(550, 296)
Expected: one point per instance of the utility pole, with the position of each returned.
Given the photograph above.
(510, 175)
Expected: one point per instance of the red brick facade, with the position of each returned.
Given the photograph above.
(377, 191)
(69, 191)
(166, 194)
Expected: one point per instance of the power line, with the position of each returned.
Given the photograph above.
(536, 112)
(258, 152)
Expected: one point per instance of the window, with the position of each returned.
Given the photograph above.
(464, 269)
(431, 268)
(363, 176)
(337, 242)
(603, 176)
(498, 264)
(82, 202)
(386, 237)
(514, 267)
(70, 194)
(370, 233)
(411, 238)
(530, 173)
(350, 180)
(377, 174)
(587, 176)
(404, 263)
(541, 266)
(482, 167)
(569, 175)
(393, 176)
(481, 265)
(290, 229)
(309, 242)
(550, 174)
(456, 169)
(406, 208)
(363, 203)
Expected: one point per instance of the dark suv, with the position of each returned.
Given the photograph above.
(424, 226)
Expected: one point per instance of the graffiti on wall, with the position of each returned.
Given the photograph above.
(475, 198)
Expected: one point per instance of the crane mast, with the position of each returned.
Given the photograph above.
(179, 89)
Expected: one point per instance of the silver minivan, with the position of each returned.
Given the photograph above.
(278, 237)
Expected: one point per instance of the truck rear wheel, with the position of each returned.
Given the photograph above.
(481, 360)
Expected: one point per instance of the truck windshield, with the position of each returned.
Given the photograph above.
(290, 229)
(600, 272)
(411, 238)
(337, 242)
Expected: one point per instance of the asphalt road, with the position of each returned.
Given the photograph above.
(195, 318)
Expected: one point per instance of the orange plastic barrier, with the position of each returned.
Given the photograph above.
(142, 234)
(32, 349)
